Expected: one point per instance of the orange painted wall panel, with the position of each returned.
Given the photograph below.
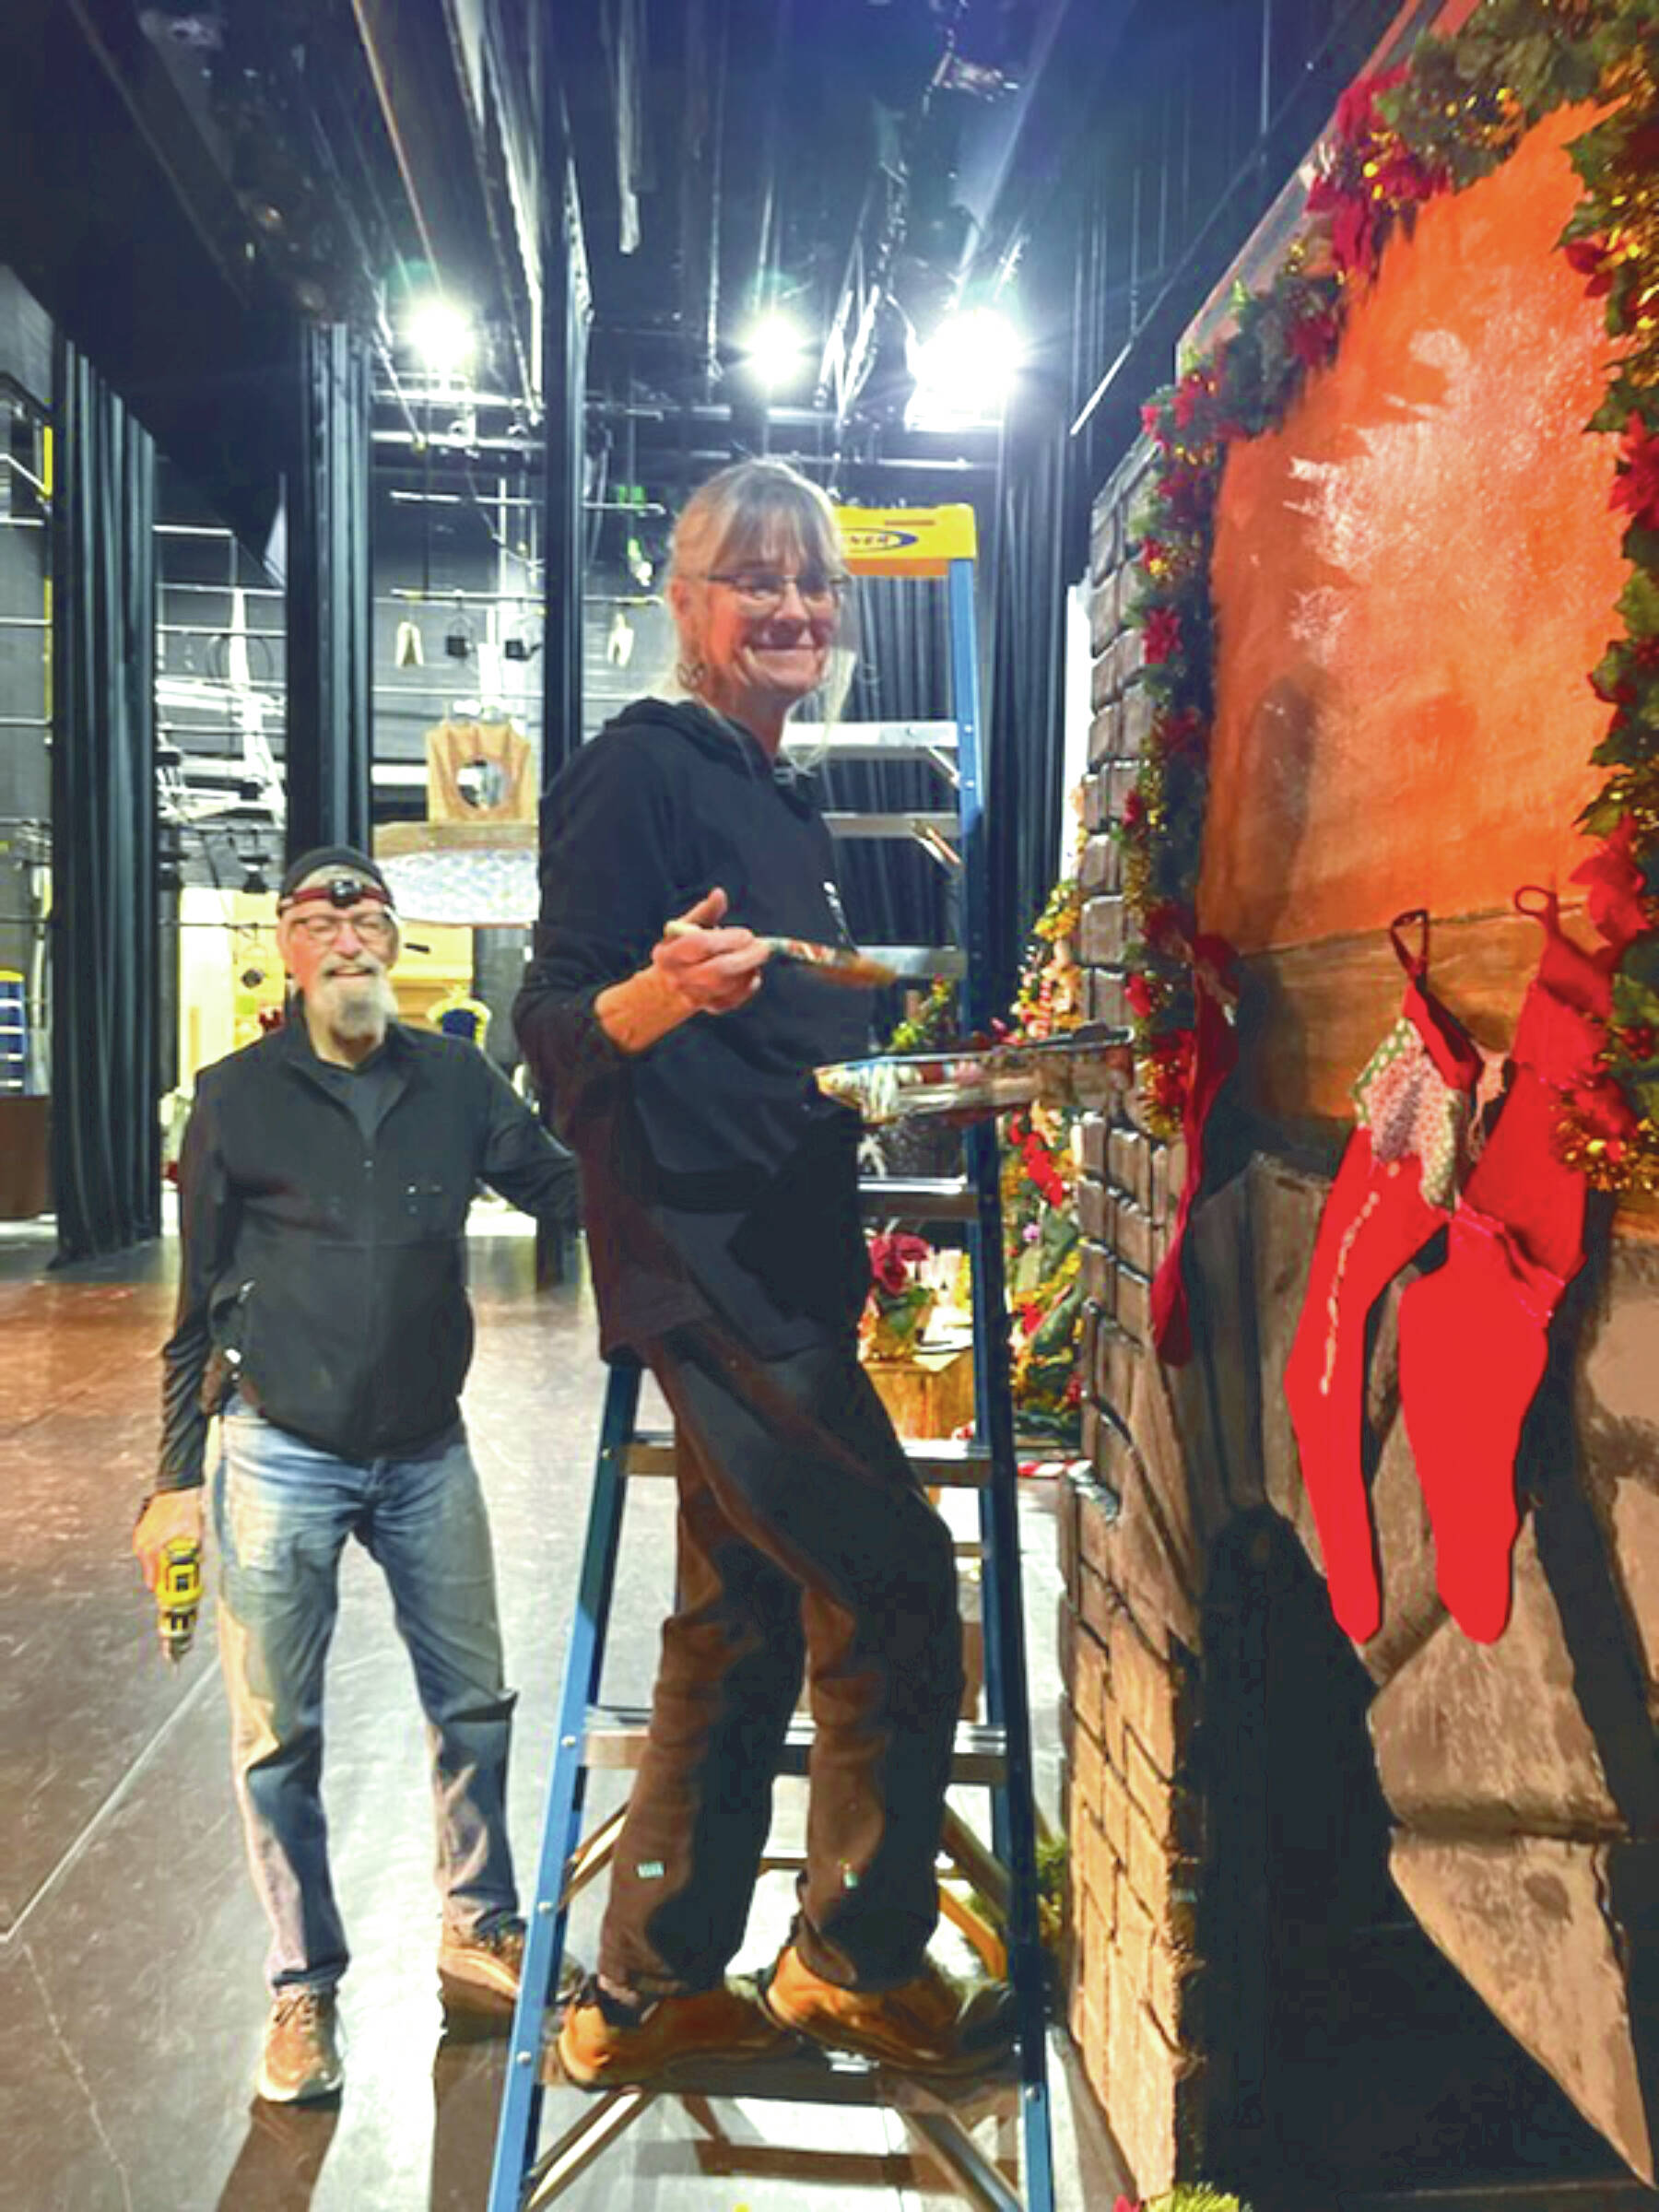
(1412, 578)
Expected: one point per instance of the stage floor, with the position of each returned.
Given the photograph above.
(131, 1999)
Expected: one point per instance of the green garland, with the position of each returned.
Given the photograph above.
(1453, 113)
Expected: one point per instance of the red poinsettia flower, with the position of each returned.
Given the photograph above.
(1154, 555)
(1589, 257)
(1636, 487)
(1183, 490)
(1617, 690)
(1167, 925)
(1164, 1073)
(1357, 114)
(1614, 885)
(893, 1258)
(1142, 996)
(1400, 178)
(1155, 428)
(1194, 389)
(1353, 233)
(1314, 337)
(1162, 635)
(1178, 733)
(1134, 816)
(1604, 1113)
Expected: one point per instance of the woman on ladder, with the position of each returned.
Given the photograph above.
(727, 1253)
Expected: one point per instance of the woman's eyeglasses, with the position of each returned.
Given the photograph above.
(761, 590)
(372, 927)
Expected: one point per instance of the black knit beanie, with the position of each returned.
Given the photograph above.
(346, 858)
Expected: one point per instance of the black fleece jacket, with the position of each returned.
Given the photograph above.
(716, 1176)
(324, 1270)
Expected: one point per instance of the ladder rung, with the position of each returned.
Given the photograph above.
(650, 1454)
(869, 740)
(820, 2077)
(949, 1463)
(910, 1198)
(945, 1463)
(616, 1737)
(928, 821)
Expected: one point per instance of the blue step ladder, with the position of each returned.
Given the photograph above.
(995, 1755)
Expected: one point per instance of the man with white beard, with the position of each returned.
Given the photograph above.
(322, 1316)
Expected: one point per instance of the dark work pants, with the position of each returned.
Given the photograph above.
(804, 1541)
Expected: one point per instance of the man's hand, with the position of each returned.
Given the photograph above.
(168, 1515)
(709, 969)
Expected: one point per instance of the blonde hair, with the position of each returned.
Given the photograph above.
(754, 510)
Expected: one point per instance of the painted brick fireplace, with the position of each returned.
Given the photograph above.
(1339, 1917)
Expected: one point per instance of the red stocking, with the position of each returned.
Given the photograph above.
(1472, 1334)
(1391, 1195)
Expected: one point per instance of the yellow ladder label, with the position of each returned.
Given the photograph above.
(906, 541)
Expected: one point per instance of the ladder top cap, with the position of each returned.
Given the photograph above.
(906, 541)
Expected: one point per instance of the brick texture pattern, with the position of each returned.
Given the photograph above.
(1133, 1976)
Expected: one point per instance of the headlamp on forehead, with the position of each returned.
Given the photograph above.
(339, 891)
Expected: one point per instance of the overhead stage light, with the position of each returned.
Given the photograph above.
(443, 335)
(775, 350)
(964, 372)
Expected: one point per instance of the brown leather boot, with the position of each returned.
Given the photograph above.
(597, 2051)
(929, 2026)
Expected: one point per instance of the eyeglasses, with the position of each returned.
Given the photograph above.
(372, 927)
(760, 591)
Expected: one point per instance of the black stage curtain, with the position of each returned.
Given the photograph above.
(106, 1152)
(1023, 589)
(895, 893)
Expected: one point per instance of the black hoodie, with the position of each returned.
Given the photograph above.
(717, 1175)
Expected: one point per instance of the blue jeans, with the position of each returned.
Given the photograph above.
(282, 1513)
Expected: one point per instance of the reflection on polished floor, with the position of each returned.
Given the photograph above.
(130, 2003)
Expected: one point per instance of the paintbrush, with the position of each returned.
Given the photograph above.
(832, 963)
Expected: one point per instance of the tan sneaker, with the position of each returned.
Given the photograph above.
(492, 1962)
(470, 1965)
(302, 2056)
(596, 2053)
(929, 2026)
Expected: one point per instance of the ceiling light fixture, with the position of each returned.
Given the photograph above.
(443, 336)
(775, 350)
(965, 371)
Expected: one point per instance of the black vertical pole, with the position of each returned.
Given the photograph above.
(330, 612)
(565, 311)
(566, 307)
